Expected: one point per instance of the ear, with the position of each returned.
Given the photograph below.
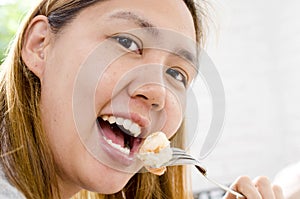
(36, 39)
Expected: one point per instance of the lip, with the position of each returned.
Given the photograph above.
(142, 121)
(115, 154)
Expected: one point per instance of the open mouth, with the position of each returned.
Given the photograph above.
(121, 134)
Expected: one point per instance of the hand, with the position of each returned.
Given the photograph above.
(260, 188)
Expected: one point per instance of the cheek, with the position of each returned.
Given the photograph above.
(174, 111)
(56, 101)
(104, 91)
(110, 83)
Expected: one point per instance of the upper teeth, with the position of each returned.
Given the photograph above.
(127, 124)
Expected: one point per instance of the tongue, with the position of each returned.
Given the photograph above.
(113, 133)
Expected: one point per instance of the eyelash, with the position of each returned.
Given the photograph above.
(129, 43)
(177, 75)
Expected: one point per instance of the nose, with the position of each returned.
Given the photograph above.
(153, 94)
(149, 83)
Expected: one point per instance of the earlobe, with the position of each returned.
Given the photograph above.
(35, 43)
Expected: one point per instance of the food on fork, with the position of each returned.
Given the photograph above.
(154, 152)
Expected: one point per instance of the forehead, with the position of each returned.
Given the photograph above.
(167, 14)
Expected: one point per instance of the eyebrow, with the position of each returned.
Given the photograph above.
(188, 56)
(152, 29)
(138, 20)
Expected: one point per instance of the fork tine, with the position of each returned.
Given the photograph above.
(180, 162)
(178, 154)
(180, 157)
(177, 150)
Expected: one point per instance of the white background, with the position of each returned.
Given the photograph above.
(256, 51)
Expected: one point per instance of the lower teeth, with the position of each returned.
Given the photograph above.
(118, 147)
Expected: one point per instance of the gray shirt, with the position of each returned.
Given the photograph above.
(7, 191)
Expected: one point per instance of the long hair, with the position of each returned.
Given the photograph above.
(25, 155)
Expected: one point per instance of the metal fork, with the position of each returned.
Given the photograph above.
(180, 157)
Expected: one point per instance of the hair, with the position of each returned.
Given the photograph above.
(31, 167)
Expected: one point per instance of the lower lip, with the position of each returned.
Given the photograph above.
(115, 154)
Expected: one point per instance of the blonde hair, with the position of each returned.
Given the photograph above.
(31, 169)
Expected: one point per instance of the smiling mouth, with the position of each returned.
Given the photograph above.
(121, 134)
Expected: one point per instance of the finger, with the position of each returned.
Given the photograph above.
(264, 187)
(245, 186)
(277, 192)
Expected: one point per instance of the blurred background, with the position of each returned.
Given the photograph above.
(255, 47)
(11, 13)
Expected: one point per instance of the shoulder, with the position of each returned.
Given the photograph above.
(7, 191)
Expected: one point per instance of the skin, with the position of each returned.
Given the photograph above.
(56, 60)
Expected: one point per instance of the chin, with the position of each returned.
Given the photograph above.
(115, 189)
(113, 183)
(111, 189)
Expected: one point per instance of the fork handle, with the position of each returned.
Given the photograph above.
(227, 189)
(201, 169)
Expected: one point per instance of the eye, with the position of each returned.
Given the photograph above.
(133, 45)
(177, 75)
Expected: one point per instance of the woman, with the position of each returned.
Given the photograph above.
(85, 82)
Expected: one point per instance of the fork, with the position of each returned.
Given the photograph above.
(180, 157)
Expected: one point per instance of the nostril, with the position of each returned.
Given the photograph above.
(155, 106)
(152, 96)
(142, 96)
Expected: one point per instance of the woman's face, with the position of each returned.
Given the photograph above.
(122, 62)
